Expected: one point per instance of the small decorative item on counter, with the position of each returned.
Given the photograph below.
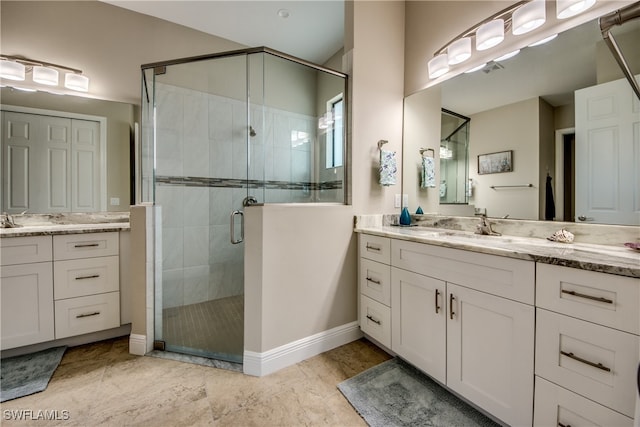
(405, 217)
(562, 236)
(632, 245)
(419, 211)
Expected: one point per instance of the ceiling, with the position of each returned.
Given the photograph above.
(313, 29)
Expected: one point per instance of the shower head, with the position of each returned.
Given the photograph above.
(252, 131)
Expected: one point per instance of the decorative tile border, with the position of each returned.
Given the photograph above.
(196, 181)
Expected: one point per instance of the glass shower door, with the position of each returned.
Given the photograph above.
(202, 134)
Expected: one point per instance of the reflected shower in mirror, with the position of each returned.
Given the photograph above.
(454, 158)
(527, 104)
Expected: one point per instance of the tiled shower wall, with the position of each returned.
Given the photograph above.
(203, 137)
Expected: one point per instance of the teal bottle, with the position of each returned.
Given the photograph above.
(405, 217)
(419, 211)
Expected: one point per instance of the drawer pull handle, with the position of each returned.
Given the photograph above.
(585, 361)
(451, 313)
(377, 282)
(93, 276)
(86, 245)
(373, 320)
(578, 294)
(437, 306)
(563, 425)
(373, 248)
(80, 316)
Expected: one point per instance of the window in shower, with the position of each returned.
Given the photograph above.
(335, 137)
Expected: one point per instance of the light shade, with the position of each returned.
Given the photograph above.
(490, 34)
(76, 82)
(438, 66)
(544, 40)
(459, 51)
(11, 70)
(45, 76)
(507, 55)
(568, 8)
(479, 67)
(528, 17)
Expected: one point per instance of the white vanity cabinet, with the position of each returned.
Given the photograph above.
(375, 287)
(587, 347)
(26, 291)
(54, 287)
(86, 283)
(449, 319)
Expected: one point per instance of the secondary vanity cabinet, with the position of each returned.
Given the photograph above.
(467, 319)
(587, 347)
(26, 291)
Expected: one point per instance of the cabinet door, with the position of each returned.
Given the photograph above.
(418, 321)
(556, 406)
(26, 293)
(490, 348)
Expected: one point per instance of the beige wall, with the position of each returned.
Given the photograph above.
(512, 127)
(107, 42)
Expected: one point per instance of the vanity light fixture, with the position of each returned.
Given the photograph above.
(528, 17)
(459, 51)
(44, 73)
(490, 34)
(507, 55)
(12, 70)
(438, 66)
(543, 41)
(568, 8)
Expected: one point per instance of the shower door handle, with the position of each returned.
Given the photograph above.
(233, 227)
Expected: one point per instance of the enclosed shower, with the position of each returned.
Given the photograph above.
(221, 133)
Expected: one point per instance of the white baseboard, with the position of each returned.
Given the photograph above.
(137, 344)
(260, 364)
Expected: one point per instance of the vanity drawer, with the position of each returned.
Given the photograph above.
(81, 277)
(555, 406)
(73, 246)
(601, 298)
(375, 248)
(25, 250)
(375, 320)
(505, 277)
(375, 281)
(76, 316)
(568, 352)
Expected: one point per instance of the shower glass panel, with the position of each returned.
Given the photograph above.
(221, 133)
(454, 158)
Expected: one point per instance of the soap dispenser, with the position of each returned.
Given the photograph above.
(405, 217)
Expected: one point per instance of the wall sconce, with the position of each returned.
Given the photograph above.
(44, 73)
(522, 17)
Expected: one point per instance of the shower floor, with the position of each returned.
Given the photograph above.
(212, 328)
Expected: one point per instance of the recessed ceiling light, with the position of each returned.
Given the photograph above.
(283, 13)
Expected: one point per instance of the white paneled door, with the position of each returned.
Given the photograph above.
(608, 154)
(50, 164)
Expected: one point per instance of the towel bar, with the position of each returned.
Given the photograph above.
(512, 186)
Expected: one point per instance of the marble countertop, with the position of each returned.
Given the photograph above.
(66, 223)
(602, 258)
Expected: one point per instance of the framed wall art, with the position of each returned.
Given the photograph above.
(495, 162)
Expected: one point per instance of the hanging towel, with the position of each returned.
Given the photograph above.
(443, 189)
(549, 204)
(428, 173)
(388, 168)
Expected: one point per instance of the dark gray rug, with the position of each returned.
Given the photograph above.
(24, 375)
(395, 393)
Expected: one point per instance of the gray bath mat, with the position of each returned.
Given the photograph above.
(395, 393)
(24, 375)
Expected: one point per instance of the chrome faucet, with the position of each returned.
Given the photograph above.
(484, 227)
(6, 221)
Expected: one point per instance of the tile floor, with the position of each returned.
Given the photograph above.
(101, 384)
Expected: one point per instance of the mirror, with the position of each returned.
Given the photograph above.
(454, 158)
(113, 176)
(522, 106)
